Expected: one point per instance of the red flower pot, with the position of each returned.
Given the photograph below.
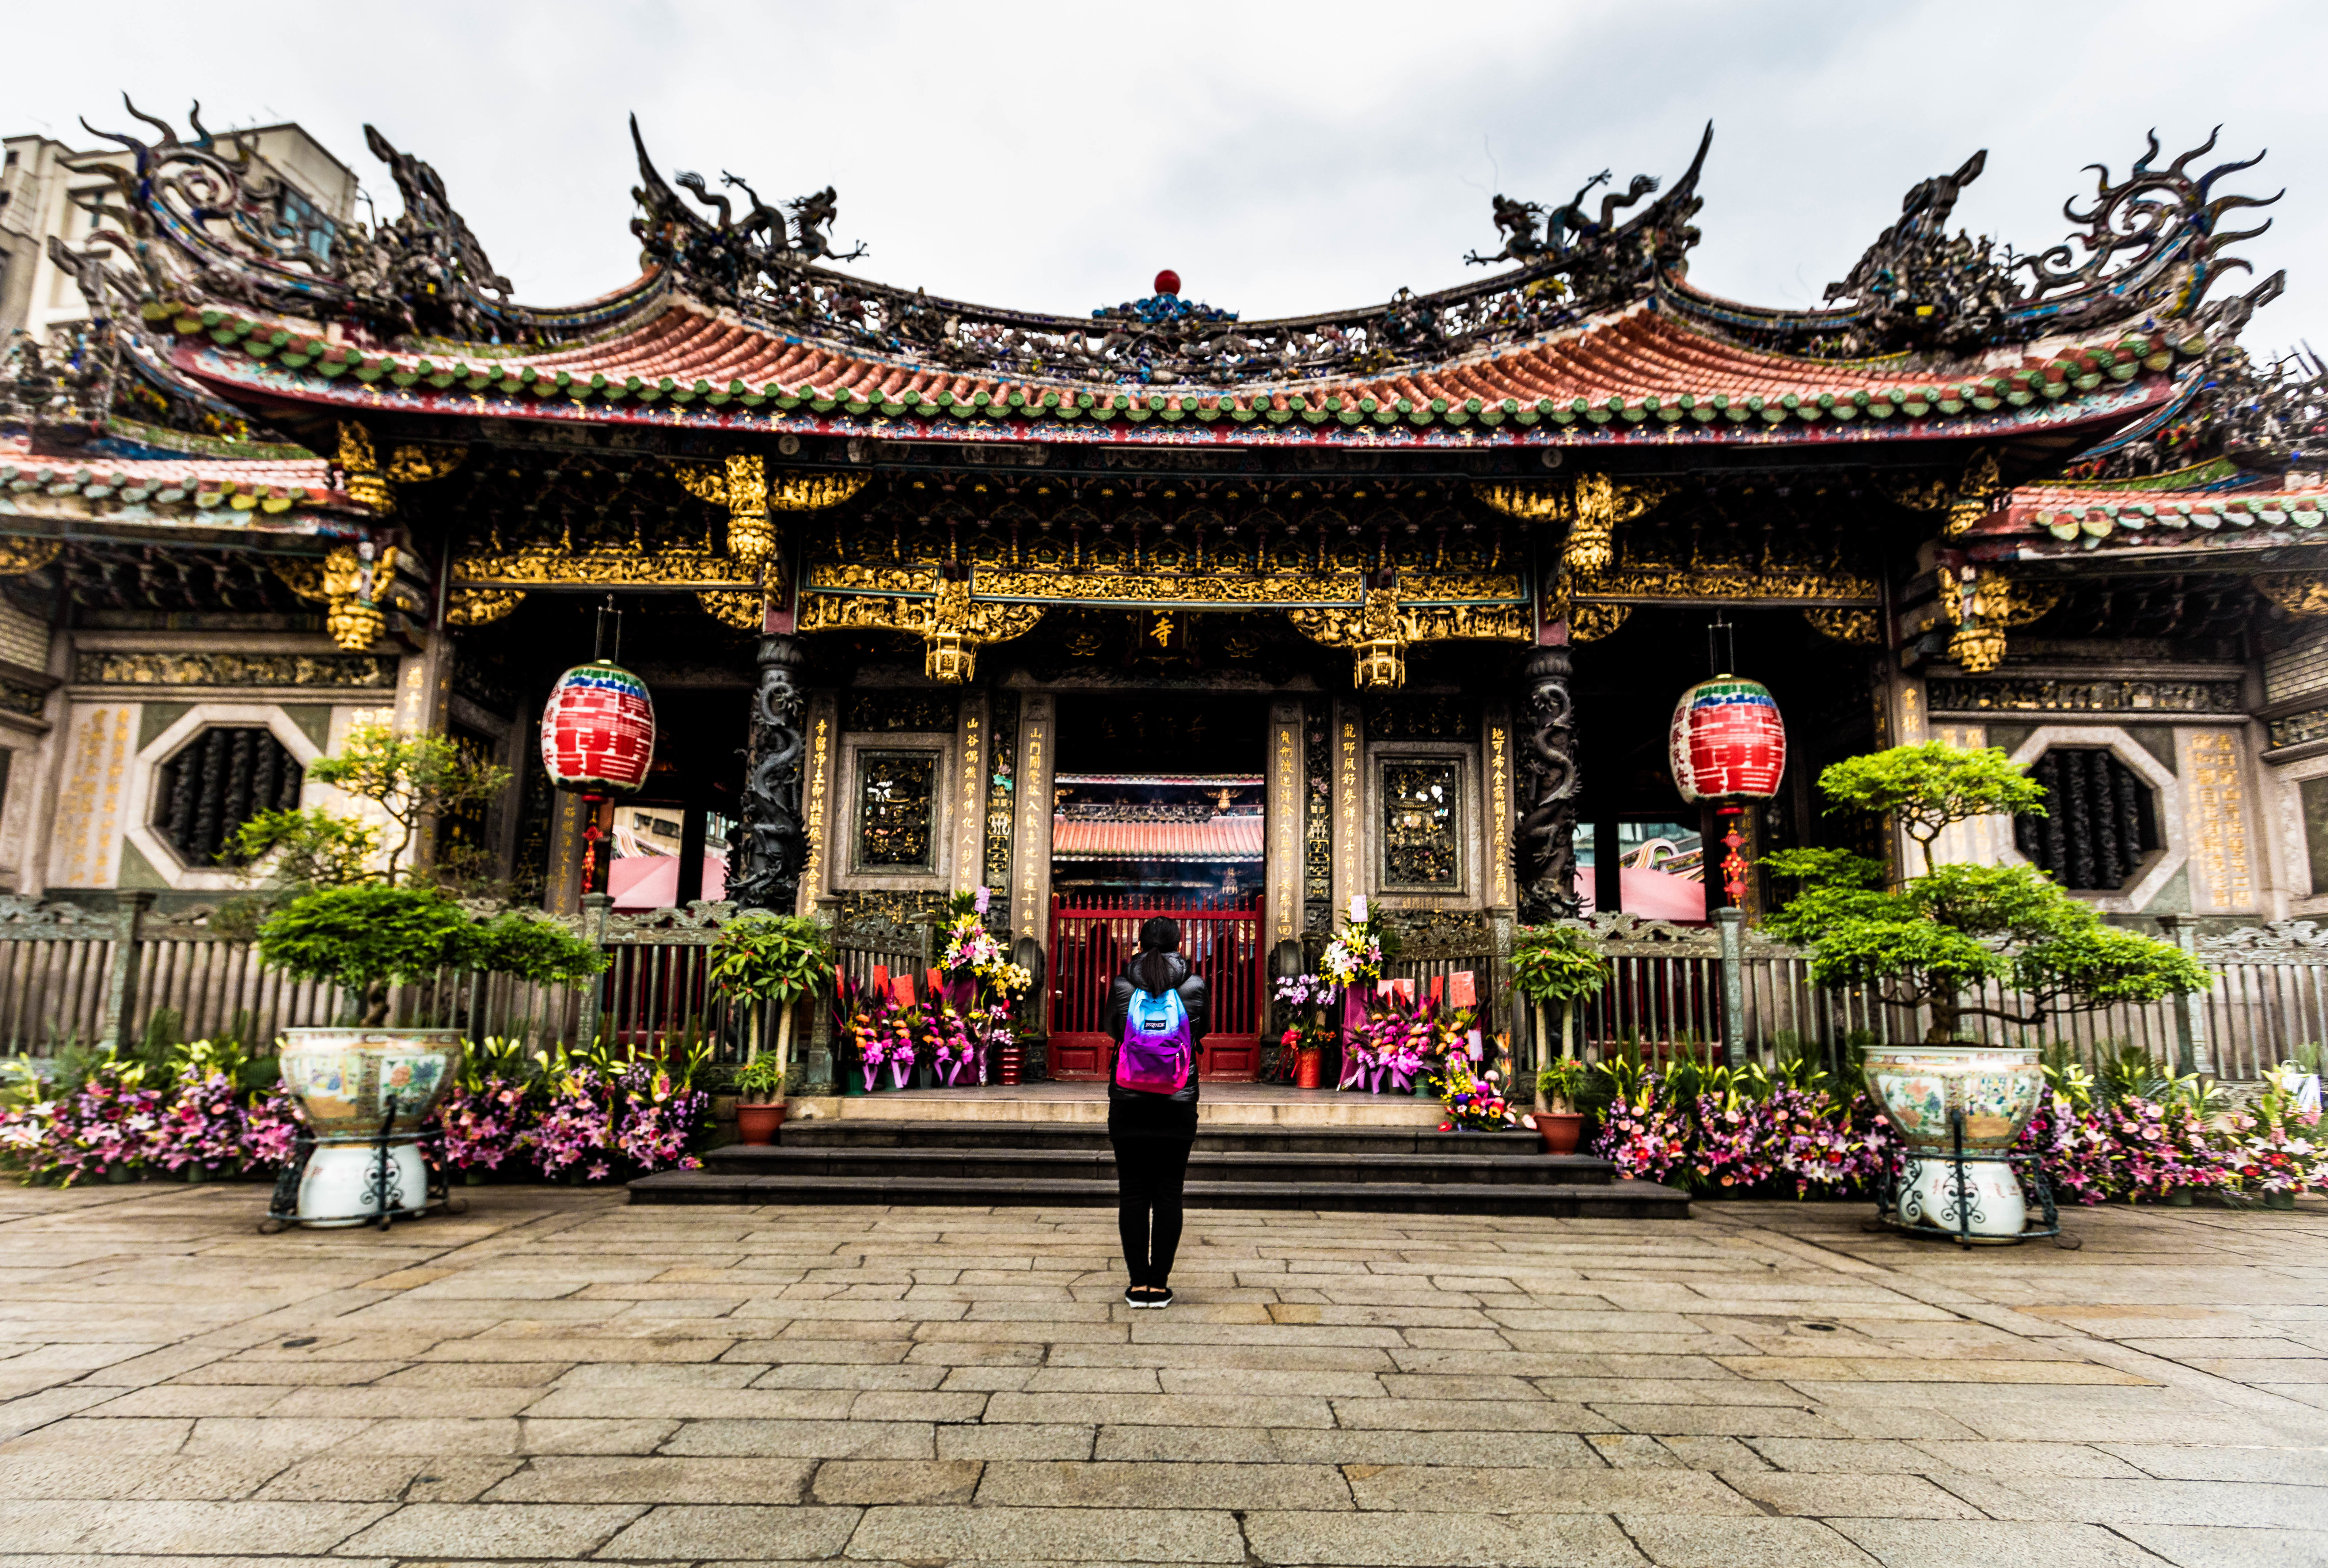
(758, 1123)
(1310, 1067)
(1560, 1129)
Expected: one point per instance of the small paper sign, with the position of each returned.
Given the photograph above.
(937, 983)
(901, 990)
(1384, 987)
(1460, 989)
(1406, 989)
(881, 978)
(1477, 1051)
(1438, 987)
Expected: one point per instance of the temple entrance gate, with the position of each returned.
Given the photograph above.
(1092, 937)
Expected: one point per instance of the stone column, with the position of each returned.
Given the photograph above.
(768, 871)
(1282, 852)
(1546, 847)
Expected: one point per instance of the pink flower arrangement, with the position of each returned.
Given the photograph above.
(953, 1049)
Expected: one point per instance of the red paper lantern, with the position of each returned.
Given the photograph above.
(599, 731)
(1727, 741)
(1167, 282)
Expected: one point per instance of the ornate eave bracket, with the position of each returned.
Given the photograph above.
(2299, 594)
(749, 492)
(1379, 631)
(357, 585)
(951, 624)
(1982, 604)
(489, 585)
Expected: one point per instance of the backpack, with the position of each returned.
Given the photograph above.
(1157, 1054)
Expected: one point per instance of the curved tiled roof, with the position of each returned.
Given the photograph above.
(1635, 373)
(1231, 837)
(197, 490)
(2086, 516)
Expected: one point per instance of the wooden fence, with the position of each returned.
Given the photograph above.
(69, 975)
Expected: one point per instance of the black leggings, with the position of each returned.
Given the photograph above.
(1149, 1175)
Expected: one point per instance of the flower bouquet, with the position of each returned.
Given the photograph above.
(1475, 1103)
(1307, 1000)
(1355, 953)
(952, 1042)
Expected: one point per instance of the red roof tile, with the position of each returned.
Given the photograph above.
(1234, 838)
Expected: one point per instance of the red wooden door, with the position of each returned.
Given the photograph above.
(1093, 938)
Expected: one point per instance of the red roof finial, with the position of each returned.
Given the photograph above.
(1167, 282)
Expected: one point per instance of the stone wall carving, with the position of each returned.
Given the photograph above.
(1546, 843)
(2030, 694)
(350, 671)
(774, 847)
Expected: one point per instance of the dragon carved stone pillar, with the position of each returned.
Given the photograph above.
(1546, 843)
(773, 849)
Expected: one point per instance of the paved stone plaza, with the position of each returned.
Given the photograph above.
(558, 1376)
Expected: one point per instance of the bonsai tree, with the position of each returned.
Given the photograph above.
(413, 781)
(1930, 939)
(777, 958)
(1558, 963)
(366, 938)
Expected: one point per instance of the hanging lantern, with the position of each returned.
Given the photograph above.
(599, 731)
(1727, 741)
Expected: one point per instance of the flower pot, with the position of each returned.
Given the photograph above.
(1560, 1131)
(756, 1123)
(2279, 1200)
(345, 1080)
(1310, 1067)
(1925, 1092)
(2179, 1199)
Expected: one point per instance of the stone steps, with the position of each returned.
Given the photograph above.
(993, 1163)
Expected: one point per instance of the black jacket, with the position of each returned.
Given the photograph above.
(1191, 988)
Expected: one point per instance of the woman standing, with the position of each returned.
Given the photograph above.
(1152, 1128)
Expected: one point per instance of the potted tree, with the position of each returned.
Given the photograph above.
(762, 958)
(759, 1100)
(1557, 1120)
(1558, 964)
(365, 1085)
(1962, 942)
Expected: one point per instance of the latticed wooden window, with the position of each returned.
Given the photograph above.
(2101, 819)
(895, 809)
(1421, 823)
(217, 782)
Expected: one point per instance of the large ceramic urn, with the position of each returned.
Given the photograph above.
(353, 1086)
(1925, 1091)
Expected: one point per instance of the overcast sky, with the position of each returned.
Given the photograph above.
(1285, 159)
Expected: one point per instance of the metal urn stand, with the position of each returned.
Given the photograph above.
(1900, 1174)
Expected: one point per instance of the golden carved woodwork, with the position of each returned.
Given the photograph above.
(479, 606)
(743, 485)
(2296, 593)
(1964, 499)
(1863, 627)
(849, 577)
(1722, 580)
(812, 492)
(548, 566)
(1601, 503)
(1972, 502)
(953, 626)
(744, 612)
(19, 556)
(1590, 623)
(420, 464)
(1527, 502)
(1172, 589)
(349, 613)
(1379, 631)
(367, 486)
(1982, 606)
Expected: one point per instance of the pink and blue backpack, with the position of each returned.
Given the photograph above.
(1157, 1054)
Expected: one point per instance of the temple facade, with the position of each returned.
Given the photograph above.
(1153, 606)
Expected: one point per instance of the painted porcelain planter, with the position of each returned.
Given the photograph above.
(343, 1080)
(1996, 1089)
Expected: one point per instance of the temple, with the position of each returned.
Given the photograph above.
(1152, 606)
